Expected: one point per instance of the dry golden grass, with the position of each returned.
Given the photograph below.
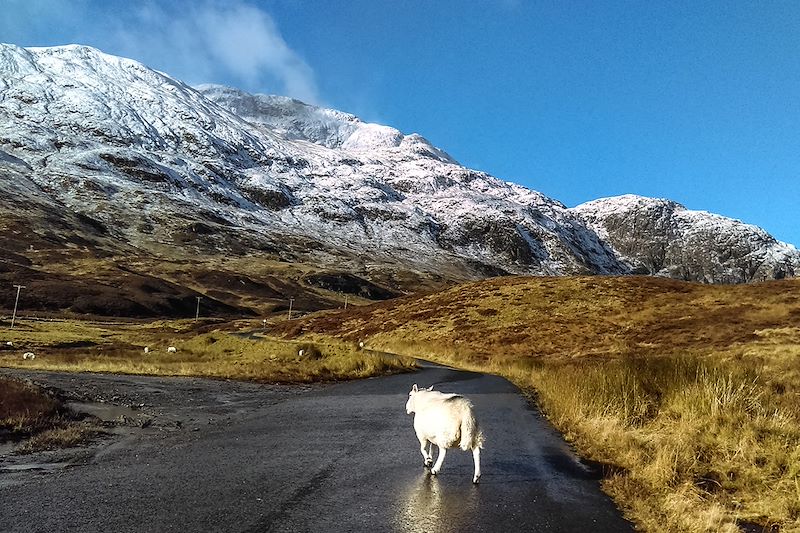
(689, 394)
(205, 348)
(29, 412)
(63, 436)
(25, 409)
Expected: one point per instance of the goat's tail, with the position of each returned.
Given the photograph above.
(471, 434)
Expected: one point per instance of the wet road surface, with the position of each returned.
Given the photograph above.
(326, 458)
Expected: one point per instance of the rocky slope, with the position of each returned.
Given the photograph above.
(661, 237)
(101, 155)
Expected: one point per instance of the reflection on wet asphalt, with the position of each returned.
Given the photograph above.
(336, 458)
(429, 504)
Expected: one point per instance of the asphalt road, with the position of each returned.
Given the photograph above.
(220, 456)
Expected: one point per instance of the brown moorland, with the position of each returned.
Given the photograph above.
(689, 394)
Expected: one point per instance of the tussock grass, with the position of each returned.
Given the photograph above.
(65, 436)
(25, 409)
(222, 352)
(29, 412)
(688, 395)
(694, 435)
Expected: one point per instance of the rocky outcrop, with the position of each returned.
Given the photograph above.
(661, 237)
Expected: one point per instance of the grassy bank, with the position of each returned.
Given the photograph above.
(689, 443)
(211, 349)
(687, 395)
(30, 413)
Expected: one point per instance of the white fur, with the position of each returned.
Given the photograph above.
(146, 349)
(29, 355)
(446, 420)
(172, 349)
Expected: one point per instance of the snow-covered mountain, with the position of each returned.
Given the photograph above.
(661, 237)
(128, 158)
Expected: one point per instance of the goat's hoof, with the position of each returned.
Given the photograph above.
(476, 480)
(427, 464)
(434, 472)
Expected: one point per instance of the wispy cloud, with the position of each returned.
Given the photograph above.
(233, 42)
(213, 40)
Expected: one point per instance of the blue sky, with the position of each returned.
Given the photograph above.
(693, 101)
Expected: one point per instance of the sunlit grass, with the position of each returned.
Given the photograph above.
(688, 394)
(118, 347)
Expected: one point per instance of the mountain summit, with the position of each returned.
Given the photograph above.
(101, 153)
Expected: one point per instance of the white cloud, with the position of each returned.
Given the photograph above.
(206, 41)
(213, 41)
(247, 41)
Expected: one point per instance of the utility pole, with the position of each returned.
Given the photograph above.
(291, 301)
(197, 313)
(14, 316)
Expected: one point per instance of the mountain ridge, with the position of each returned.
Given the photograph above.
(134, 161)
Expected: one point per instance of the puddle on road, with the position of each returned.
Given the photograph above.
(45, 467)
(106, 412)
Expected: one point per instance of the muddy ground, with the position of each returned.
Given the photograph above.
(132, 408)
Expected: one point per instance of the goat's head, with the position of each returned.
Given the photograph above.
(411, 403)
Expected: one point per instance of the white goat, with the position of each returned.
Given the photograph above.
(172, 349)
(448, 421)
(29, 355)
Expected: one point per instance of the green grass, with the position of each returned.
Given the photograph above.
(118, 347)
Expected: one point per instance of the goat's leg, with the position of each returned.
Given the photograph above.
(439, 461)
(476, 455)
(425, 453)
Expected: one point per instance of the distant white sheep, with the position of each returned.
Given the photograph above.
(146, 349)
(361, 344)
(29, 355)
(172, 349)
(301, 352)
(9, 343)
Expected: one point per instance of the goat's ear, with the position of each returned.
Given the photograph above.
(430, 388)
(415, 388)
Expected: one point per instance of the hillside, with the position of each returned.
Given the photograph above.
(103, 159)
(548, 317)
